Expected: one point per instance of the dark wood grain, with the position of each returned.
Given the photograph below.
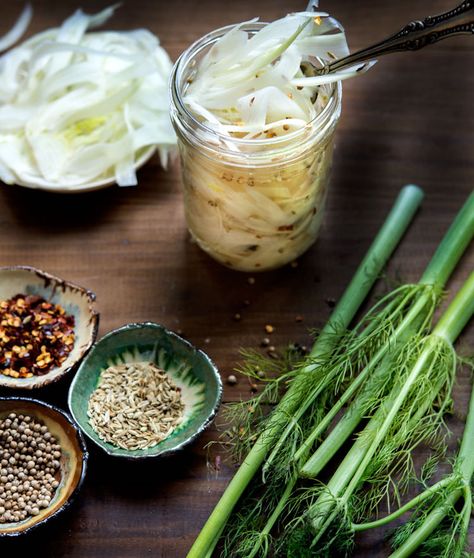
(410, 119)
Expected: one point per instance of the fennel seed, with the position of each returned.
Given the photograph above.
(135, 406)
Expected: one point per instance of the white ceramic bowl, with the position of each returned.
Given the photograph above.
(99, 184)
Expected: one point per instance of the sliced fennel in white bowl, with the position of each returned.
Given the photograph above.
(82, 110)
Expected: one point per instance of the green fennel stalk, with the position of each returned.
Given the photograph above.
(363, 280)
(447, 546)
(423, 302)
(437, 273)
(434, 356)
(250, 551)
(413, 307)
(436, 504)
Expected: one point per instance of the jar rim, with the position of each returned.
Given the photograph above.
(331, 107)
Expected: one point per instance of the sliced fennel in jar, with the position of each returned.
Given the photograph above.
(256, 173)
(80, 108)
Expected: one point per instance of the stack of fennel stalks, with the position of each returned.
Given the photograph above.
(372, 393)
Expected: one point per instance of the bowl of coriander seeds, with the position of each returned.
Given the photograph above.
(143, 391)
(43, 460)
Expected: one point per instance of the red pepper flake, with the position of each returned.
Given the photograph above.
(285, 228)
(35, 336)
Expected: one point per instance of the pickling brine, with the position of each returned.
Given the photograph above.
(255, 129)
(255, 218)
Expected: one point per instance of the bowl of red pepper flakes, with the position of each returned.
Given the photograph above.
(47, 325)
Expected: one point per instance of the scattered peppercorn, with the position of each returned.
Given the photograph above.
(35, 336)
(299, 319)
(269, 328)
(330, 302)
(261, 374)
(231, 380)
(237, 317)
(251, 280)
(294, 264)
(265, 342)
(29, 467)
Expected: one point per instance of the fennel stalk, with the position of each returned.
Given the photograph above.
(357, 290)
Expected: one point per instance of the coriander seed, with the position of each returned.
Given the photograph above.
(25, 485)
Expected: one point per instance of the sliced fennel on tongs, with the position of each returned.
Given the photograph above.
(255, 85)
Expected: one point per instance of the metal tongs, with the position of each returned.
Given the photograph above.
(413, 36)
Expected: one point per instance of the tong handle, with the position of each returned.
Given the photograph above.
(413, 36)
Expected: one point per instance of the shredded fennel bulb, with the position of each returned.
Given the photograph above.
(78, 108)
(256, 172)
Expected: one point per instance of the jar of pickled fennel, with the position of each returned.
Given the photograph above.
(253, 202)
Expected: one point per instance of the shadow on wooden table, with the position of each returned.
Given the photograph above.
(53, 212)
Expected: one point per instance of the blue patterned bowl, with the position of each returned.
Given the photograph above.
(189, 368)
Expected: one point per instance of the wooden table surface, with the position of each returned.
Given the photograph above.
(410, 119)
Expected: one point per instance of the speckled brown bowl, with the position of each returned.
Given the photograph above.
(75, 300)
(73, 461)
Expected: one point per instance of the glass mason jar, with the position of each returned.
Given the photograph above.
(252, 204)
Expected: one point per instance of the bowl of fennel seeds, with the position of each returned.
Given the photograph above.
(143, 391)
(135, 405)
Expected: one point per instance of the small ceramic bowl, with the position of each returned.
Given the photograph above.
(189, 368)
(143, 156)
(73, 462)
(75, 300)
